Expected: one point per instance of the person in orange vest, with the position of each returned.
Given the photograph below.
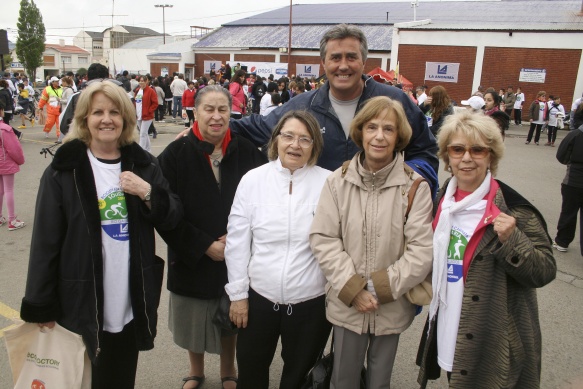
(51, 97)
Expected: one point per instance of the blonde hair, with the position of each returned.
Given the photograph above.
(313, 128)
(119, 97)
(478, 129)
(371, 110)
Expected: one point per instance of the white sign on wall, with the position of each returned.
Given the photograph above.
(308, 70)
(264, 69)
(211, 65)
(442, 72)
(532, 75)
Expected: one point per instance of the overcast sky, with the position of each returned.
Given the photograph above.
(65, 18)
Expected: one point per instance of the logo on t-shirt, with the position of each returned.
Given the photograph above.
(139, 97)
(455, 255)
(114, 214)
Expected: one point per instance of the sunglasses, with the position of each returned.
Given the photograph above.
(476, 152)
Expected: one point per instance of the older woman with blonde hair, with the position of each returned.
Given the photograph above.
(371, 253)
(491, 251)
(95, 272)
(275, 284)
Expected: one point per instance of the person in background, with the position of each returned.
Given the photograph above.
(537, 112)
(491, 250)
(188, 103)
(574, 107)
(299, 88)
(238, 94)
(178, 86)
(8, 100)
(159, 113)
(509, 98)
(370, 264)
(282, 90)
(51, 97)
(266, 100)
(421, 95)
(68, 91)
(436, 108)
(570, 153)
(275, 102)
(98, 275)
(204, 169)
(474, 103)
(11, 157)
(275, 284)
(555, 115)
(518, 104)
(24, 103)
(146, 102)
(492, 108)
(168, 97)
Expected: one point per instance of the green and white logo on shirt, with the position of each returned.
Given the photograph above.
(114, 214)
(455, 255)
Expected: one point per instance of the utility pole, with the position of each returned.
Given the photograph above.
(111, 34)
(289, 42)
(164, 6)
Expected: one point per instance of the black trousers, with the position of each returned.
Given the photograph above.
(517, 116)
(118, 360)
(304, 331)
(190, 118)
(159, 113)
(538, 128)
(552, 134)
(567, 225)
(508, 112)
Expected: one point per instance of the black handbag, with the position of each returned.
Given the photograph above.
(321, 373)
(221, 318)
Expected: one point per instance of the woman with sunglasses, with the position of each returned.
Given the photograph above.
(491, 250)
(275, 284)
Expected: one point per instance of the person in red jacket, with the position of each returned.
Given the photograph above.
(146, 102)
(188, 103)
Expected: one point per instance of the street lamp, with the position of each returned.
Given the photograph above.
(163, 6)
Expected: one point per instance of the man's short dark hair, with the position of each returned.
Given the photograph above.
(343, 31)
(97, 70)
(125, 73)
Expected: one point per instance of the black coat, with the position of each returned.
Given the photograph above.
(191, 272)
(65, 275)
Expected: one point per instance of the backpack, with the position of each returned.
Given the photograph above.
(260, 90)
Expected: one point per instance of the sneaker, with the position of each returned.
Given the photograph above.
(3, 221)
(15, 225)
(536, 143)
(32, 122)
(527, 143)
(559, 248)
(21, 127)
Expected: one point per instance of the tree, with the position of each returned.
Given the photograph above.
(30, 43)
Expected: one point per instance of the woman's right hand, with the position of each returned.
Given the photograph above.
(365, 302)
(239, 312)
(428, 101)
(217, 250)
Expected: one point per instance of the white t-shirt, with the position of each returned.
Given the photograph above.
(264, 103)
(519, 100)
(345, 111)
(553, 110)
(542, 106)
(115, 243)
(463, 226)
(139, 98)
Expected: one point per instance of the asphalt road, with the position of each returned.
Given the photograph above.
(532, 170)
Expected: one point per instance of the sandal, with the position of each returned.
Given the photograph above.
(198, 379)
(224, 379)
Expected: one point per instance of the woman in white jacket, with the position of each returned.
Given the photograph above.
(275, 284)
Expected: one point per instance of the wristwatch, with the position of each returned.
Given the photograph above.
(148, 194)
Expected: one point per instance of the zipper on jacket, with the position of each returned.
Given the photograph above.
(288, 237)
(98, 348)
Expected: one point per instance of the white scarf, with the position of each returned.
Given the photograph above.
(442, 234)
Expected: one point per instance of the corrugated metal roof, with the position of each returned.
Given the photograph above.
(303, 37)
(94, 34)
(537, 14)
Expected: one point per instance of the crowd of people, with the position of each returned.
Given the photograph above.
(337, 226)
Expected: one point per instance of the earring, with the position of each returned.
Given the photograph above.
(449, 169)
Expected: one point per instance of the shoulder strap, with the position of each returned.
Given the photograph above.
(345, 167)
(413, 191)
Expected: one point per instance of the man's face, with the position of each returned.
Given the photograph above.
(344, 66)
(509, 90)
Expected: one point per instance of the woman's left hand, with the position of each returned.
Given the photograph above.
(504, 226)
(134, 185)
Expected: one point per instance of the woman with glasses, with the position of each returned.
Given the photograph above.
(369, 252)
(491, 250)
(275, 285)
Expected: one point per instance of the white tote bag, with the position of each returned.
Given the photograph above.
(47, 358)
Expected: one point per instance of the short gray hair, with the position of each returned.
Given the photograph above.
(209, 89)
(342, 31)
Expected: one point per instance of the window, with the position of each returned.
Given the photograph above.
(82, 60)
(65, 59)
(49, 60)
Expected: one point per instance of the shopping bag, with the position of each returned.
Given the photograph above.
(47, 358)
(42, 118)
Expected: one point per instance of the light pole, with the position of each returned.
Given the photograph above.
(164, 6)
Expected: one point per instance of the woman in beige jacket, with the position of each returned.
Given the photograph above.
(370, 254)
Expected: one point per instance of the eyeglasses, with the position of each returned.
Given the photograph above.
(476, 152)
(289, 139)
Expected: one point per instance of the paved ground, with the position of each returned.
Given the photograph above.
(532, 170)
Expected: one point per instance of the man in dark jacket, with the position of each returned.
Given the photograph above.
(343, 53)
(125, 81)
